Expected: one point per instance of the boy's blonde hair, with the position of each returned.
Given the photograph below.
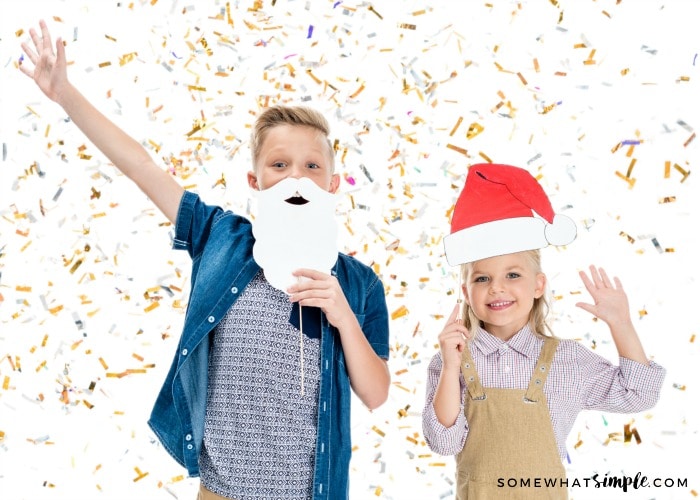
(540, 307)
(288, 115)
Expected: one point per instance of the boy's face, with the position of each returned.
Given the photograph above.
(294, 151)
(501, 292)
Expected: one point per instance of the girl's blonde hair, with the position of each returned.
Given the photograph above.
(540, 307)
(288, 115)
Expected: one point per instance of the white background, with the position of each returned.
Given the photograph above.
(562, 120)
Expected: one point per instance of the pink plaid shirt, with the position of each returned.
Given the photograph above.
(578, 380)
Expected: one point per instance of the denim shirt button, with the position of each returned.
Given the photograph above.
(234, 290)
(188, 437)
(184, 352)
(189, 446)
(211, 319)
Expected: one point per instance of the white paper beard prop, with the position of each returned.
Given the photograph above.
(295, 228)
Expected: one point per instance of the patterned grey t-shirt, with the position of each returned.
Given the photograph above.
(260, 431)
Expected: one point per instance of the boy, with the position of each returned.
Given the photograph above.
(230, 408)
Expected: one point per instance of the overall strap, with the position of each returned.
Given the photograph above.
(471, 378)
(539, 374)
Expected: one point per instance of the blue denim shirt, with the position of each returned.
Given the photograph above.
(220, 244)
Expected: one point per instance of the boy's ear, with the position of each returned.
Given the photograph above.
(253, 181)
(335, 183)
(541, 285)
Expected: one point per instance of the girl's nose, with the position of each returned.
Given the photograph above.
(496, 286)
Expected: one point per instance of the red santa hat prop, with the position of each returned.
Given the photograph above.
(503, 209)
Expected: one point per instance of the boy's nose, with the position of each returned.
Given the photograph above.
(296, 172)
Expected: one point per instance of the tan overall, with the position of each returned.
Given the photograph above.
(510, 440)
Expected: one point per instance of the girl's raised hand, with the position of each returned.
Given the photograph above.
(453, 340)
(610, 302)
(49, 72)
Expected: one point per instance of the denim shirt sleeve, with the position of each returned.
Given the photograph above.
(193, 224)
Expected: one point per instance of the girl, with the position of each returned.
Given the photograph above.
(502, 393)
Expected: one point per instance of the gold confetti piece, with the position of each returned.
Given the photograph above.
(457, 148)
(20, 288)
(75, 265)
(56, 310)
(630, 181)
(103, 363)
(629, 433)
(692, 338)
(474, 130)
(127, 58)
(667, 199)
(104, 64)
(152, 306)
(407, 26)
(437, 464)
(140, 475)
(625, 235)
(6, 383)
(378, 430)
(400, 312)
(485, 157)
(680, 387)
(110, 38)
(378, 491)
(682, 171)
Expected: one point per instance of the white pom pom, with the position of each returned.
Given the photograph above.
(561, 231)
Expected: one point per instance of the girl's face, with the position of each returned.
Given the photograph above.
(502, 290)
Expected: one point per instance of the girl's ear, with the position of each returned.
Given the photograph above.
(541, 285)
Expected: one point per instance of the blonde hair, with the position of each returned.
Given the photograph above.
(288, 115)
(540, 307)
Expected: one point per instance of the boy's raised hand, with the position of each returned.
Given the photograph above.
(610, 302)
(49, 72)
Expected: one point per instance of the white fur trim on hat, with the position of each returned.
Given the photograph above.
(494, 238)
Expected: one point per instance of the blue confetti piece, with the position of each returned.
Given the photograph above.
(311, 31)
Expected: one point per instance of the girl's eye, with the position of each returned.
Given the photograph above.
(513, 275)
(480, 279)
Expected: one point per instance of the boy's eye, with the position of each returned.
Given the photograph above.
(312, 165)
(278, 164)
